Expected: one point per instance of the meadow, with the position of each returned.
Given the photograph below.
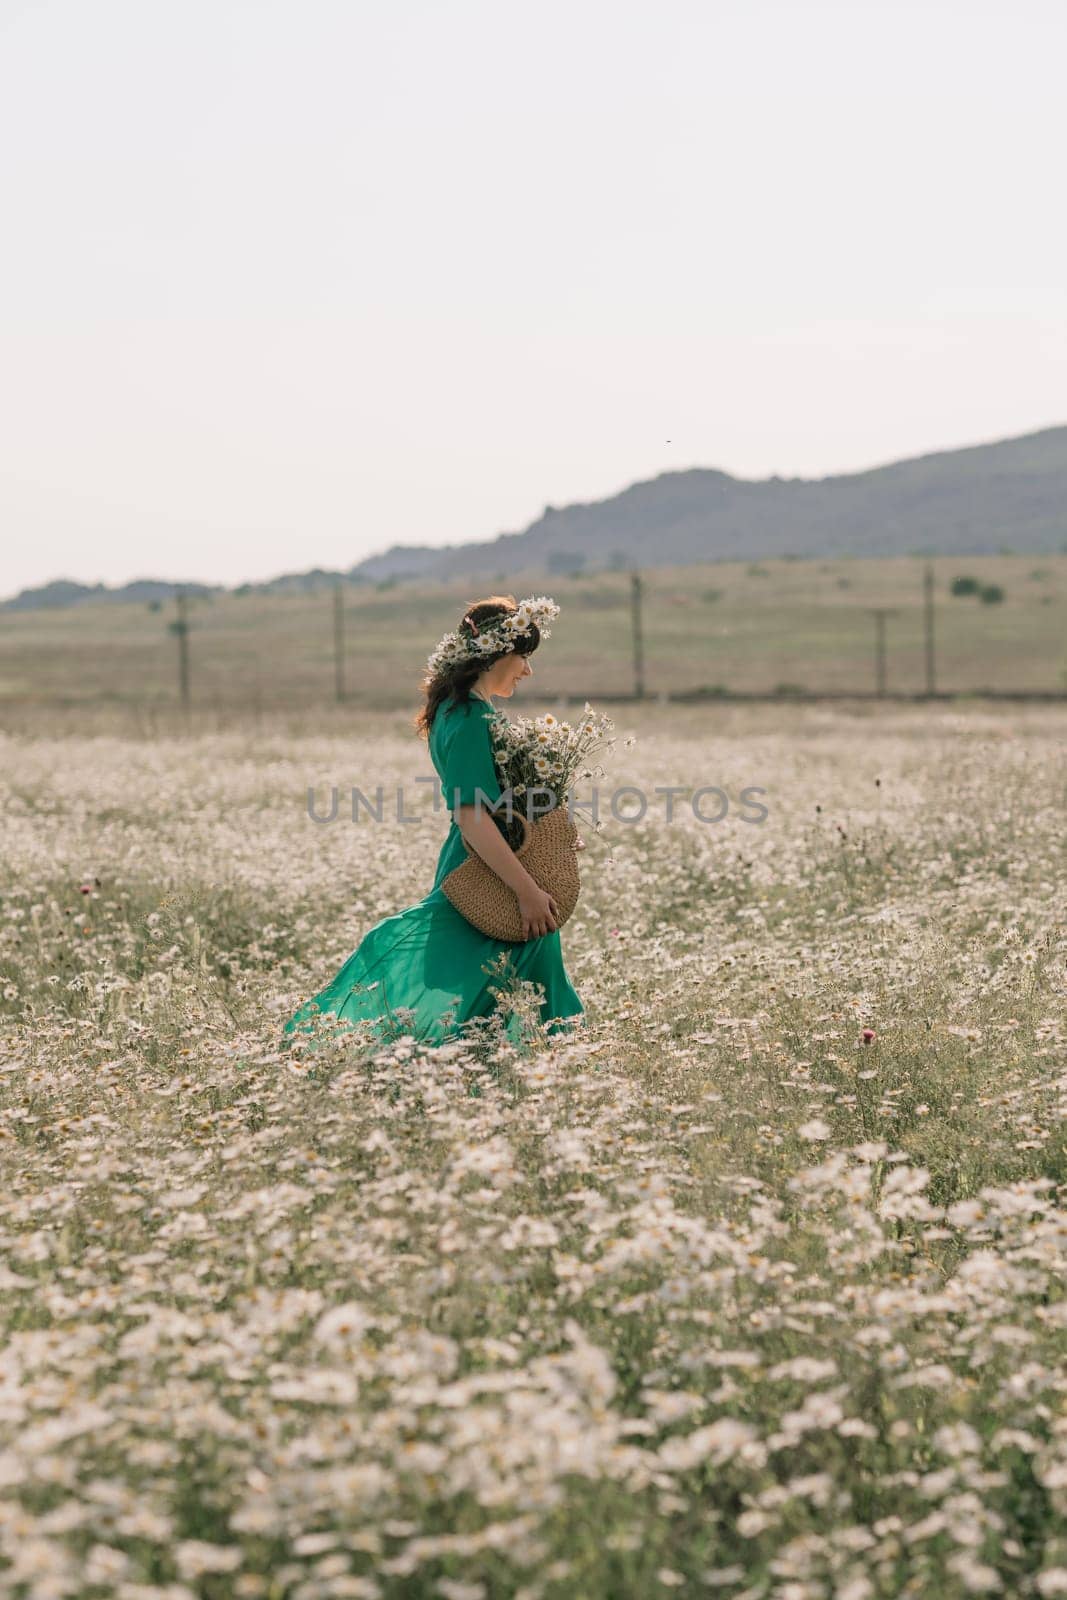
(756, 627)
(752, 1288)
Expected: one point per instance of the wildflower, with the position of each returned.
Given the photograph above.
(719, 1442)
(957, 1439)
(871, 1150)
(347, 1322)
(976, 1576)
(804, 1369)
(194, 1557)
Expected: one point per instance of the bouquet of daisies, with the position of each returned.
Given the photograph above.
(539, 759)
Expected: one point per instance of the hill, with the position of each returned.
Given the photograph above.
(1009, 496)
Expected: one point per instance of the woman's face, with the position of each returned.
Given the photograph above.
(507, 672)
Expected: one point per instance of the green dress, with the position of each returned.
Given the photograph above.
(427, 971)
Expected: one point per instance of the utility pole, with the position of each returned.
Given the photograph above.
(339, 640)
(928, 615)
(879, 613)
(638, 643)
(181, 628)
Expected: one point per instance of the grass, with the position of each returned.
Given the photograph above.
(720, 1296)
(792, 623)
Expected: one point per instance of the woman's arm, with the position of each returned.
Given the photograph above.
(537, 907)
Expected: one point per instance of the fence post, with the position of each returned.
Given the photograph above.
(879, 613)
(181, 628)
(338, 641)
(928, 615)
(638, 642)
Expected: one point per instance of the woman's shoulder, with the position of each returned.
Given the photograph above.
(451, 706)
(453, 714)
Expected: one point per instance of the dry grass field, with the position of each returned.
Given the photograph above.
(754, 1288)
(755, 627)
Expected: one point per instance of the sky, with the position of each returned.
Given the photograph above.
(285, 282)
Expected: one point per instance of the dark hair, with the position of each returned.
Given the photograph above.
(459, 679)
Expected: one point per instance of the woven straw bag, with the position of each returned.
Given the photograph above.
(548, 854)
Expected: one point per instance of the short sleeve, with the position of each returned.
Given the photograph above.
(467, 757)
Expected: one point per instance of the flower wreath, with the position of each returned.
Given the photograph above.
(495, 635)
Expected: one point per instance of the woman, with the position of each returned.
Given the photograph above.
(428, 963)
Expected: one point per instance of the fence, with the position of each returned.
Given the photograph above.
(366, 647)
(878, 690)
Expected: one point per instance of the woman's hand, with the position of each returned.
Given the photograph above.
(538, 910)
(579, 843)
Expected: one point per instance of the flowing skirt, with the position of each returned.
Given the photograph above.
(427, 972)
